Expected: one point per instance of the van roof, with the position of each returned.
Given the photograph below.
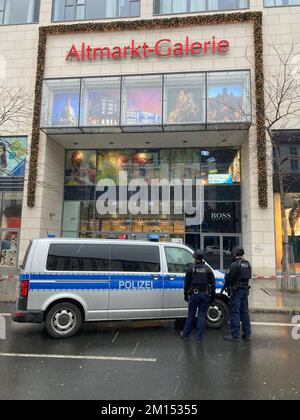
(119, 241)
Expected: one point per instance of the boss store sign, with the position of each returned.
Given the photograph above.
(164, 47)
(222, 218)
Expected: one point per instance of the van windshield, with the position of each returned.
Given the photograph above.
(23, 265)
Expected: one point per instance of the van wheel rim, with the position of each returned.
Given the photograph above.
(63, 321)
(214, 314)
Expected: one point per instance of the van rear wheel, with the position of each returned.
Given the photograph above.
(63, 320)
(217, 315)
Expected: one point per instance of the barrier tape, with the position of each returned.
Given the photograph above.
(8, 277)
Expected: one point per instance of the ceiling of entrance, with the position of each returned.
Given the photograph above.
(151, 140)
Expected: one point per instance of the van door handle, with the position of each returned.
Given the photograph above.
(172, 277)
(155, 277)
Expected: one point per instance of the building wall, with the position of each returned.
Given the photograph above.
(18, 52)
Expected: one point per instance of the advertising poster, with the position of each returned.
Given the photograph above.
(103, 108)
(65, 109)
(80, 168)
(292, 215)
(12, 156)
(144, 106)
(184, 105)
(110, 163)
(225, 103)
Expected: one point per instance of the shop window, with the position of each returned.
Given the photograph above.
(68, 10)
(220, 167)
(150, 165)
(100, 105)
(278, 3)
(80, 168)
(184, 102)
(166, 7)
(11, 210)
(142, 103)
(111, 162)
(15, 12)
(229, 100)
(60, 106)
(79, 216)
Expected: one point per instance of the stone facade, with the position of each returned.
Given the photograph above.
(280, 26)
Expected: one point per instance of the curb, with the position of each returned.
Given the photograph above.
(276, 311)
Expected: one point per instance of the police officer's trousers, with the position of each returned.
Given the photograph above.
(201, 303)
(239, 313)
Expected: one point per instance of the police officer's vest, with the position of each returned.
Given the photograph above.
(244, 274)
(200, 277)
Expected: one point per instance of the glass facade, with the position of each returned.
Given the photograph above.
(169, 102)
(14, 12)
(218, 168)
(167, 7)
(280, 3)
(69, 10)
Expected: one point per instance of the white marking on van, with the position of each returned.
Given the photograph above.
(71, 357)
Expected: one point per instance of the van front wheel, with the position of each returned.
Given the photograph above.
(217, 315)
(63, 320)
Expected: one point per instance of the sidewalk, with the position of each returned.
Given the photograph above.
(264, 297)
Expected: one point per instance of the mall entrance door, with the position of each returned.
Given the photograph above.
(218, 249)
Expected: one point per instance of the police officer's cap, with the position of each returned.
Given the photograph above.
(199, 255)
(238, 251)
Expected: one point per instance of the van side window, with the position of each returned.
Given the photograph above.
(178, 259)
(135, 258)
(73, 257)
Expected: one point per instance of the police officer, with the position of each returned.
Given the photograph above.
(199, 292)
(237, 284)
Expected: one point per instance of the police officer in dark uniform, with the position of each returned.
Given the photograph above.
(237, 285)
(199, 292)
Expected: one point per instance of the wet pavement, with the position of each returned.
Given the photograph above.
(147, 360)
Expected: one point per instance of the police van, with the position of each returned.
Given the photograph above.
(65, 282)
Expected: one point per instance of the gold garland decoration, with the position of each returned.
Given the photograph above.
(140, 25)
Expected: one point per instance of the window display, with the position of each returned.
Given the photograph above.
(80, 168)
(111, 162)
(60, 103)
(12, 156)
(292, 215)
(184, 99)
(228, 97)
(100, 102)
(142, 100)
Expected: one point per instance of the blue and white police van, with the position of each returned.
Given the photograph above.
(65, 282)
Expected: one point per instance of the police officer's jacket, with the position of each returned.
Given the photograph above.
(199, 277)
(239, 274)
